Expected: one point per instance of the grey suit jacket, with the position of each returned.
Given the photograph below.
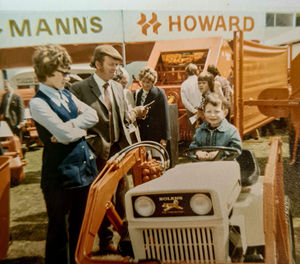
(88, 92)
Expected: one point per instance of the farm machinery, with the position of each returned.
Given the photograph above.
(199, 212)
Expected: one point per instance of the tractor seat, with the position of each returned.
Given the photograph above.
(249, 167)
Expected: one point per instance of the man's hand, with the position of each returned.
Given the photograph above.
(163, 142)
(141, 111)
(213, 154)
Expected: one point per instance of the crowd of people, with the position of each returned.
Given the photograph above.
(83, 126)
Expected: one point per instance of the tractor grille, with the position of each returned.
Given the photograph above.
(182, 244)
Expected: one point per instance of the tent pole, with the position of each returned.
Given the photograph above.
(123, 40)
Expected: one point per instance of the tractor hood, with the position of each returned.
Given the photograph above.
(220, 179)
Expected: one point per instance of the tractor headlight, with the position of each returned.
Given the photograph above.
(201, 204)
(144, 206)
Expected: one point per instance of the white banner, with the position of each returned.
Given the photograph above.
(37, 28)
(31, 28)
(165, 25)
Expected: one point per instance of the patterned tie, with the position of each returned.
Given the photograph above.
(143, 98)
(109, 107)
(107, 97)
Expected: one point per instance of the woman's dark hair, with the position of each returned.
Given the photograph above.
(213, 70)
(208, 78)
(48, 58)
(149, 74)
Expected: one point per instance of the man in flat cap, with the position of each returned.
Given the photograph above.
(111, 133)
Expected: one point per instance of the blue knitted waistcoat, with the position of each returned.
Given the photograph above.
(65, 165)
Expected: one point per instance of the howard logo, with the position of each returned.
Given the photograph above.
(198, 23)
(146, 24)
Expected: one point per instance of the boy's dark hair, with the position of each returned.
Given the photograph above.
(216, 99)
(48, 58)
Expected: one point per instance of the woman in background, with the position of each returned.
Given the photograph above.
(156, 125)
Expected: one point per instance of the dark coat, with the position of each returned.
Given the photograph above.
(156, 126)
(16, 109)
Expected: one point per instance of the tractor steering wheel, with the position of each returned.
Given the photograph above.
(224, 153)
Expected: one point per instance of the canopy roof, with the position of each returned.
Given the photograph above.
(81, 53)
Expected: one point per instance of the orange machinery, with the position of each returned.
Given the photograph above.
(256, 69)
(12, 149)
(277, 244)
(4, 205)
(28, 133)
(17, 162)
(170, 57)
(263, 92)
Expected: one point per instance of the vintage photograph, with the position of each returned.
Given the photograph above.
(160, 131)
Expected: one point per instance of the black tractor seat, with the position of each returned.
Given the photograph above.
(249, 167)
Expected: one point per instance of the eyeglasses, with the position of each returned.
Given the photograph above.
(64, 73)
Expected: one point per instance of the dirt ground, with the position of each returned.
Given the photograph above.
(28, 219)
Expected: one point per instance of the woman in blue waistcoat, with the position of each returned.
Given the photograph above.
(68, 166)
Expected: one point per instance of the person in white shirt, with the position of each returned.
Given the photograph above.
(122, 76)
(68, 166)
(191, 97)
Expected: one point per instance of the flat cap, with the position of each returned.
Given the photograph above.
(108, 50)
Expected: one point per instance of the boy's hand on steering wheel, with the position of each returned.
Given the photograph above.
(204, 155)
(201, 155)
(212, 155)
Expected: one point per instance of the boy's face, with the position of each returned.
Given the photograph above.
(203, 86)
(214, 114)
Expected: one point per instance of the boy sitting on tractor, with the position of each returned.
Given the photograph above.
(216, 130)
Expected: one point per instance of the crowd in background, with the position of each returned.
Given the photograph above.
(82, 125)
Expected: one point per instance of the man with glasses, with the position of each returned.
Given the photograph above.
(68, 166)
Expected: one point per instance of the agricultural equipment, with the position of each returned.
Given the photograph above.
(203, 212)
(12, 148)
(4, 204)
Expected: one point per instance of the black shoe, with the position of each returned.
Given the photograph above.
(125, 248)
(111, 248)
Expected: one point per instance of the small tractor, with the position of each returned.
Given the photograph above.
(220, 211)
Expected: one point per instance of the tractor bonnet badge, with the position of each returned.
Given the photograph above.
(170, 206)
